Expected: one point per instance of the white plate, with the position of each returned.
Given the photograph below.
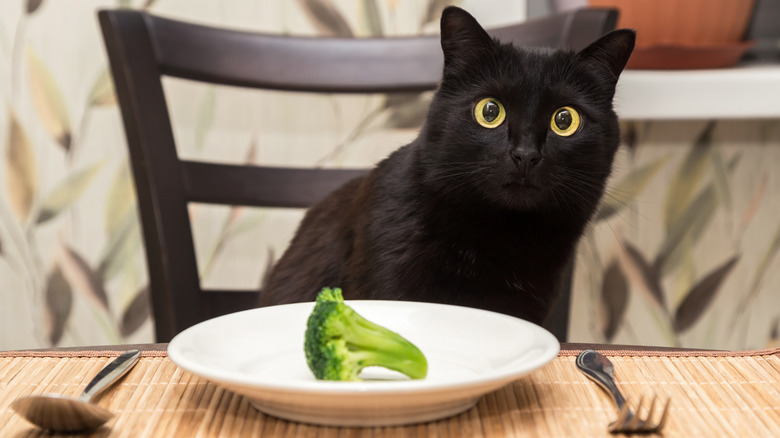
(258, 353)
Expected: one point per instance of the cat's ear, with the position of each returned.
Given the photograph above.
(461, 36)
(609, 54)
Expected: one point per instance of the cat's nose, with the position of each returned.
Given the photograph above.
(525, 158)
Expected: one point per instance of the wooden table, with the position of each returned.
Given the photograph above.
(713, 394)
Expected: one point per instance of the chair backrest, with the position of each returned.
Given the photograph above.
(143, 48)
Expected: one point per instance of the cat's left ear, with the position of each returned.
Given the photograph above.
(461, 36)
(609, 54)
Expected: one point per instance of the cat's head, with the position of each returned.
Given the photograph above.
(522, 129)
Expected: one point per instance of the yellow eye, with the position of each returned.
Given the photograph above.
(489, 112)
(565, 121)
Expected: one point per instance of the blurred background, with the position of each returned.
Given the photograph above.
(683, 251)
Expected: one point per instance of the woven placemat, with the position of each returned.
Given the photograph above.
(713, 394)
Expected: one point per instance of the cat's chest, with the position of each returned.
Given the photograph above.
(501, 279)
(493, 259)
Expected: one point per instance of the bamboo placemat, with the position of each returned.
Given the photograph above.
(713, 394)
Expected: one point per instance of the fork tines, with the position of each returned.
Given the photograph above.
(629, 421)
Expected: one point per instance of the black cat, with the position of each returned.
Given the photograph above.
(485, 207)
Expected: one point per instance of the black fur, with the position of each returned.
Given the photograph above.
(467, 215)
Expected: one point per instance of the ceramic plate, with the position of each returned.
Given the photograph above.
(259, 354)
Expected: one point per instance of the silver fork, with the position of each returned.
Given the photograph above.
(599, 369)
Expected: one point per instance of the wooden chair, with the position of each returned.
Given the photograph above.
(142, 48)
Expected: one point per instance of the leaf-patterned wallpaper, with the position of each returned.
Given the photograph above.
(682, 251)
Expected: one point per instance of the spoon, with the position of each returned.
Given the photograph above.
(63, 414)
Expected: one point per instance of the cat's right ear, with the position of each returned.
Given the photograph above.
(609, 54)
(461, 36)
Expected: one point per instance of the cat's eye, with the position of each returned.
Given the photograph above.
(565, 121)
(489, 112)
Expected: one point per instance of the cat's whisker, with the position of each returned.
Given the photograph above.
(465, 182)
(616, 194)
(456, 172)
(462, 176)
(558, 197)
(454, 175)
(563, 201)
(572, 191)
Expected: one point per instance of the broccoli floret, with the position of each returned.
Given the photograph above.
(339, 343)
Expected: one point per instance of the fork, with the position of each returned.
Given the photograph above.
(599, 369)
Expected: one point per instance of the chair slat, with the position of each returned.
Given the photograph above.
(345, 65)
(261, 186)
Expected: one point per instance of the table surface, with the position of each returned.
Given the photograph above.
(713, 393)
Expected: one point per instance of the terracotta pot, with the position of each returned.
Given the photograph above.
(682, 22)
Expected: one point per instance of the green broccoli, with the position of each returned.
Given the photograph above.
(339, 343)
